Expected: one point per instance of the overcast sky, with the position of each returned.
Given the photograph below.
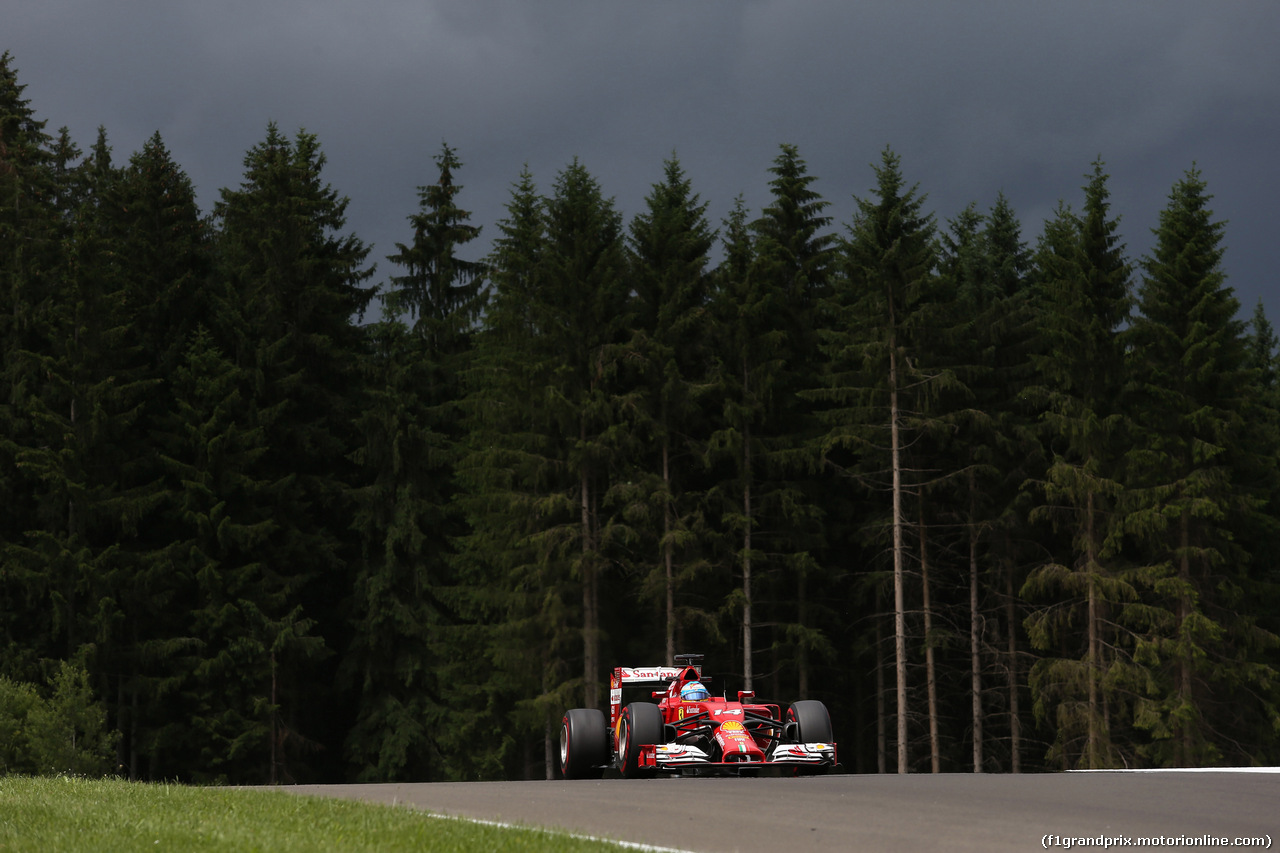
(976, 97)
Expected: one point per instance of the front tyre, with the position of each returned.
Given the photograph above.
(640, 725)
(812, 722)
(584, 744)
(809, 722)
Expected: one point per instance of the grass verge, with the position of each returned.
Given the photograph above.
(108, 815)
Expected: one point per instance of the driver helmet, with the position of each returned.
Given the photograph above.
(693, 691)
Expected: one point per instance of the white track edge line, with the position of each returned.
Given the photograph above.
(1184, 770)
(630, 845)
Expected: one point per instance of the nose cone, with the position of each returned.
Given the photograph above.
(736, 744)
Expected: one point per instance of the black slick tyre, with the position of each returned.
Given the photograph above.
(584, 744)
(812, 722)
(641, 725)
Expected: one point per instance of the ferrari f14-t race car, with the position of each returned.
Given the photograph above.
(689, 731)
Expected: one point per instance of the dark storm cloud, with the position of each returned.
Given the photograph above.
(976, 97)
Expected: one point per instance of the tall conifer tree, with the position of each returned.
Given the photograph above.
(511, 599)
(406, 517)
(795, 256)
(545, 449)
(670, 244)
(741, 309)
(221, 526)
(1261, 344)
(585, 316)
(1188, 387)
(767, 309)
(80, 410)
(29, 247)
(1083, 300)
(984, 455)
(299, 279)
(891, 260)
(153, 228)
(1016, 454)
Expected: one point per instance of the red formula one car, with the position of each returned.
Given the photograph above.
(691, 732)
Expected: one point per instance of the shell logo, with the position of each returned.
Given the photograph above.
(732, 726)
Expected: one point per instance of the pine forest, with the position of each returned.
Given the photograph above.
(1004, 505)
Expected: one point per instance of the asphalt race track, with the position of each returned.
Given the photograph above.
(853, 813)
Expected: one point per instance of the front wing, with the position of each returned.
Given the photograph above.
(680, 756)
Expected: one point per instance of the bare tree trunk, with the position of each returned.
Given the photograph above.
(802, 653)
(74, 582)
(274, 757)
(1106, 711)
(1184, 664)
(550, 739)
(931, 679)
(899, 605)
(975, 628)
(120, 741)
(747, 675)
(1094, 743)
(1015, 721)
(746, 568)
(666, 553)
(133, 734)
(882, 734)
(550, 746)
(590, 601)
(859, 725)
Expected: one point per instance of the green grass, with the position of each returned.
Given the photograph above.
(104, 815)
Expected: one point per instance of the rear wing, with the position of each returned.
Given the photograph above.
(643, 676)
(646, 676)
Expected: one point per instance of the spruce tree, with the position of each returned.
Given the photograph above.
(1083, 299)
(584, 310)
(153, 228)
(1260, 478)
(282, 249)
(510, 601)
(29, 247)
(768, 313)
(1261, 344)
(670, 242)
(741, 310)
(543, 418)
(81, 407)
(890, 263)
(222, 521)
(983, 456)
(795, 255)
(406, 516)
(1015, 456)
(969, 350)
(1200, 643)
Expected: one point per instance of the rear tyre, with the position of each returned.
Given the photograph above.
(640, 725)
(584, 744)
